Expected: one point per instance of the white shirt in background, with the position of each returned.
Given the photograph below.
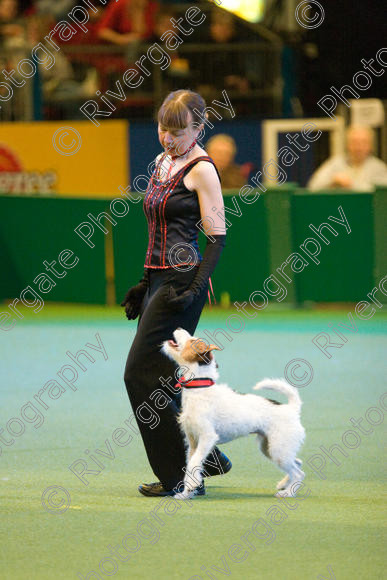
(364, 177)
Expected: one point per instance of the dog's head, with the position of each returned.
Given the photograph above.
(190, 351)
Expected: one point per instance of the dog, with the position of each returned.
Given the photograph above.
(213, 414)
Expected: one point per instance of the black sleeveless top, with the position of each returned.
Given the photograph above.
(172, 212)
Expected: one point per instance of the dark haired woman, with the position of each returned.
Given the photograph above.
(184, 188)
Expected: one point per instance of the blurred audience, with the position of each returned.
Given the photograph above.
(12, 33)
(56, 79)
(179, 68)
(223, 69)
(222, 149)
(358, 170)
(122, 26)
(57, 9)
(127, 21)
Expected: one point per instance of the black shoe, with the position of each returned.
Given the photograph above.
(156, 489)
(225, 465)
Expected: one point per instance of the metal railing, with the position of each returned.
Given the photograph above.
(16, 103)
(88, 71)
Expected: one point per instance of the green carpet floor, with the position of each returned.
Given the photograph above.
(335, 531)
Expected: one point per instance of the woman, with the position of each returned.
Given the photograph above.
(183, 189)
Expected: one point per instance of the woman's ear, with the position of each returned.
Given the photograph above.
(199, 127)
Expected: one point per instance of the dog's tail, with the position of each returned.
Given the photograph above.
(281, 386)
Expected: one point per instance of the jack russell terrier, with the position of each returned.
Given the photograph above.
(213, 414)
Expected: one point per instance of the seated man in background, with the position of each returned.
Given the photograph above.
(357, 171)
(222, 149)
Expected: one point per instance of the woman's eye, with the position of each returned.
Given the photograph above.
(173, 133)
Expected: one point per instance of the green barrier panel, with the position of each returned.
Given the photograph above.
(244, 263)
(260, 237)
(345, 271)
(130, 241)
(380, 229)
(34, 229)
(277, 204)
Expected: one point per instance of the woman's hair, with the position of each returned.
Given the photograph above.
(176, 107)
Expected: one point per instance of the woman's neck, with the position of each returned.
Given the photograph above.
(185, 153)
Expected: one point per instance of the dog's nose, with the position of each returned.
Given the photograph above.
(179, 328)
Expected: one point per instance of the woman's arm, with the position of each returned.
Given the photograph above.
(207, 185)
(116, 37)
(205, 181)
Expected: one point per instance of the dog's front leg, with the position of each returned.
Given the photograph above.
(192, 444)
(193, 474)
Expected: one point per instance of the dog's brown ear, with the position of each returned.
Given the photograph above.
(199, 351)
(203, 351)
(213, 347)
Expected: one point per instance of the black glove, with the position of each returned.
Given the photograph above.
(207, 265)
(134, 296)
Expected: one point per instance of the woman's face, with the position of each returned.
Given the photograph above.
(176, 141)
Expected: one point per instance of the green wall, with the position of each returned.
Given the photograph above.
(34, 229)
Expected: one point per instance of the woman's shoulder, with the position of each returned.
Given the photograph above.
(202, 160)
(203, 164)
(203, 174)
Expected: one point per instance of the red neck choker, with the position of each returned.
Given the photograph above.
(185, 152)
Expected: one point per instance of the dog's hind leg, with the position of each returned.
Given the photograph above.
(283, 454)
(294, 474)
(288, 491)
(264, 444)
(193, 474)
(283, 483)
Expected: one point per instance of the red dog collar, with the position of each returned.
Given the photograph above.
(195, 383)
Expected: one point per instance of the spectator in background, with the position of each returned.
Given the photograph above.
(26, 6)
(127, 21)
(179, 68)
(222, 150)
(220, 69)
(12, 34)
(57, 9)
(59, 78)
(359, 170)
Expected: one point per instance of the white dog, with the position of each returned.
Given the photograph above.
(214, 413)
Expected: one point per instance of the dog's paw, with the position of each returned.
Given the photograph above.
(282, 484)
(184, 495)
(283, 493)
